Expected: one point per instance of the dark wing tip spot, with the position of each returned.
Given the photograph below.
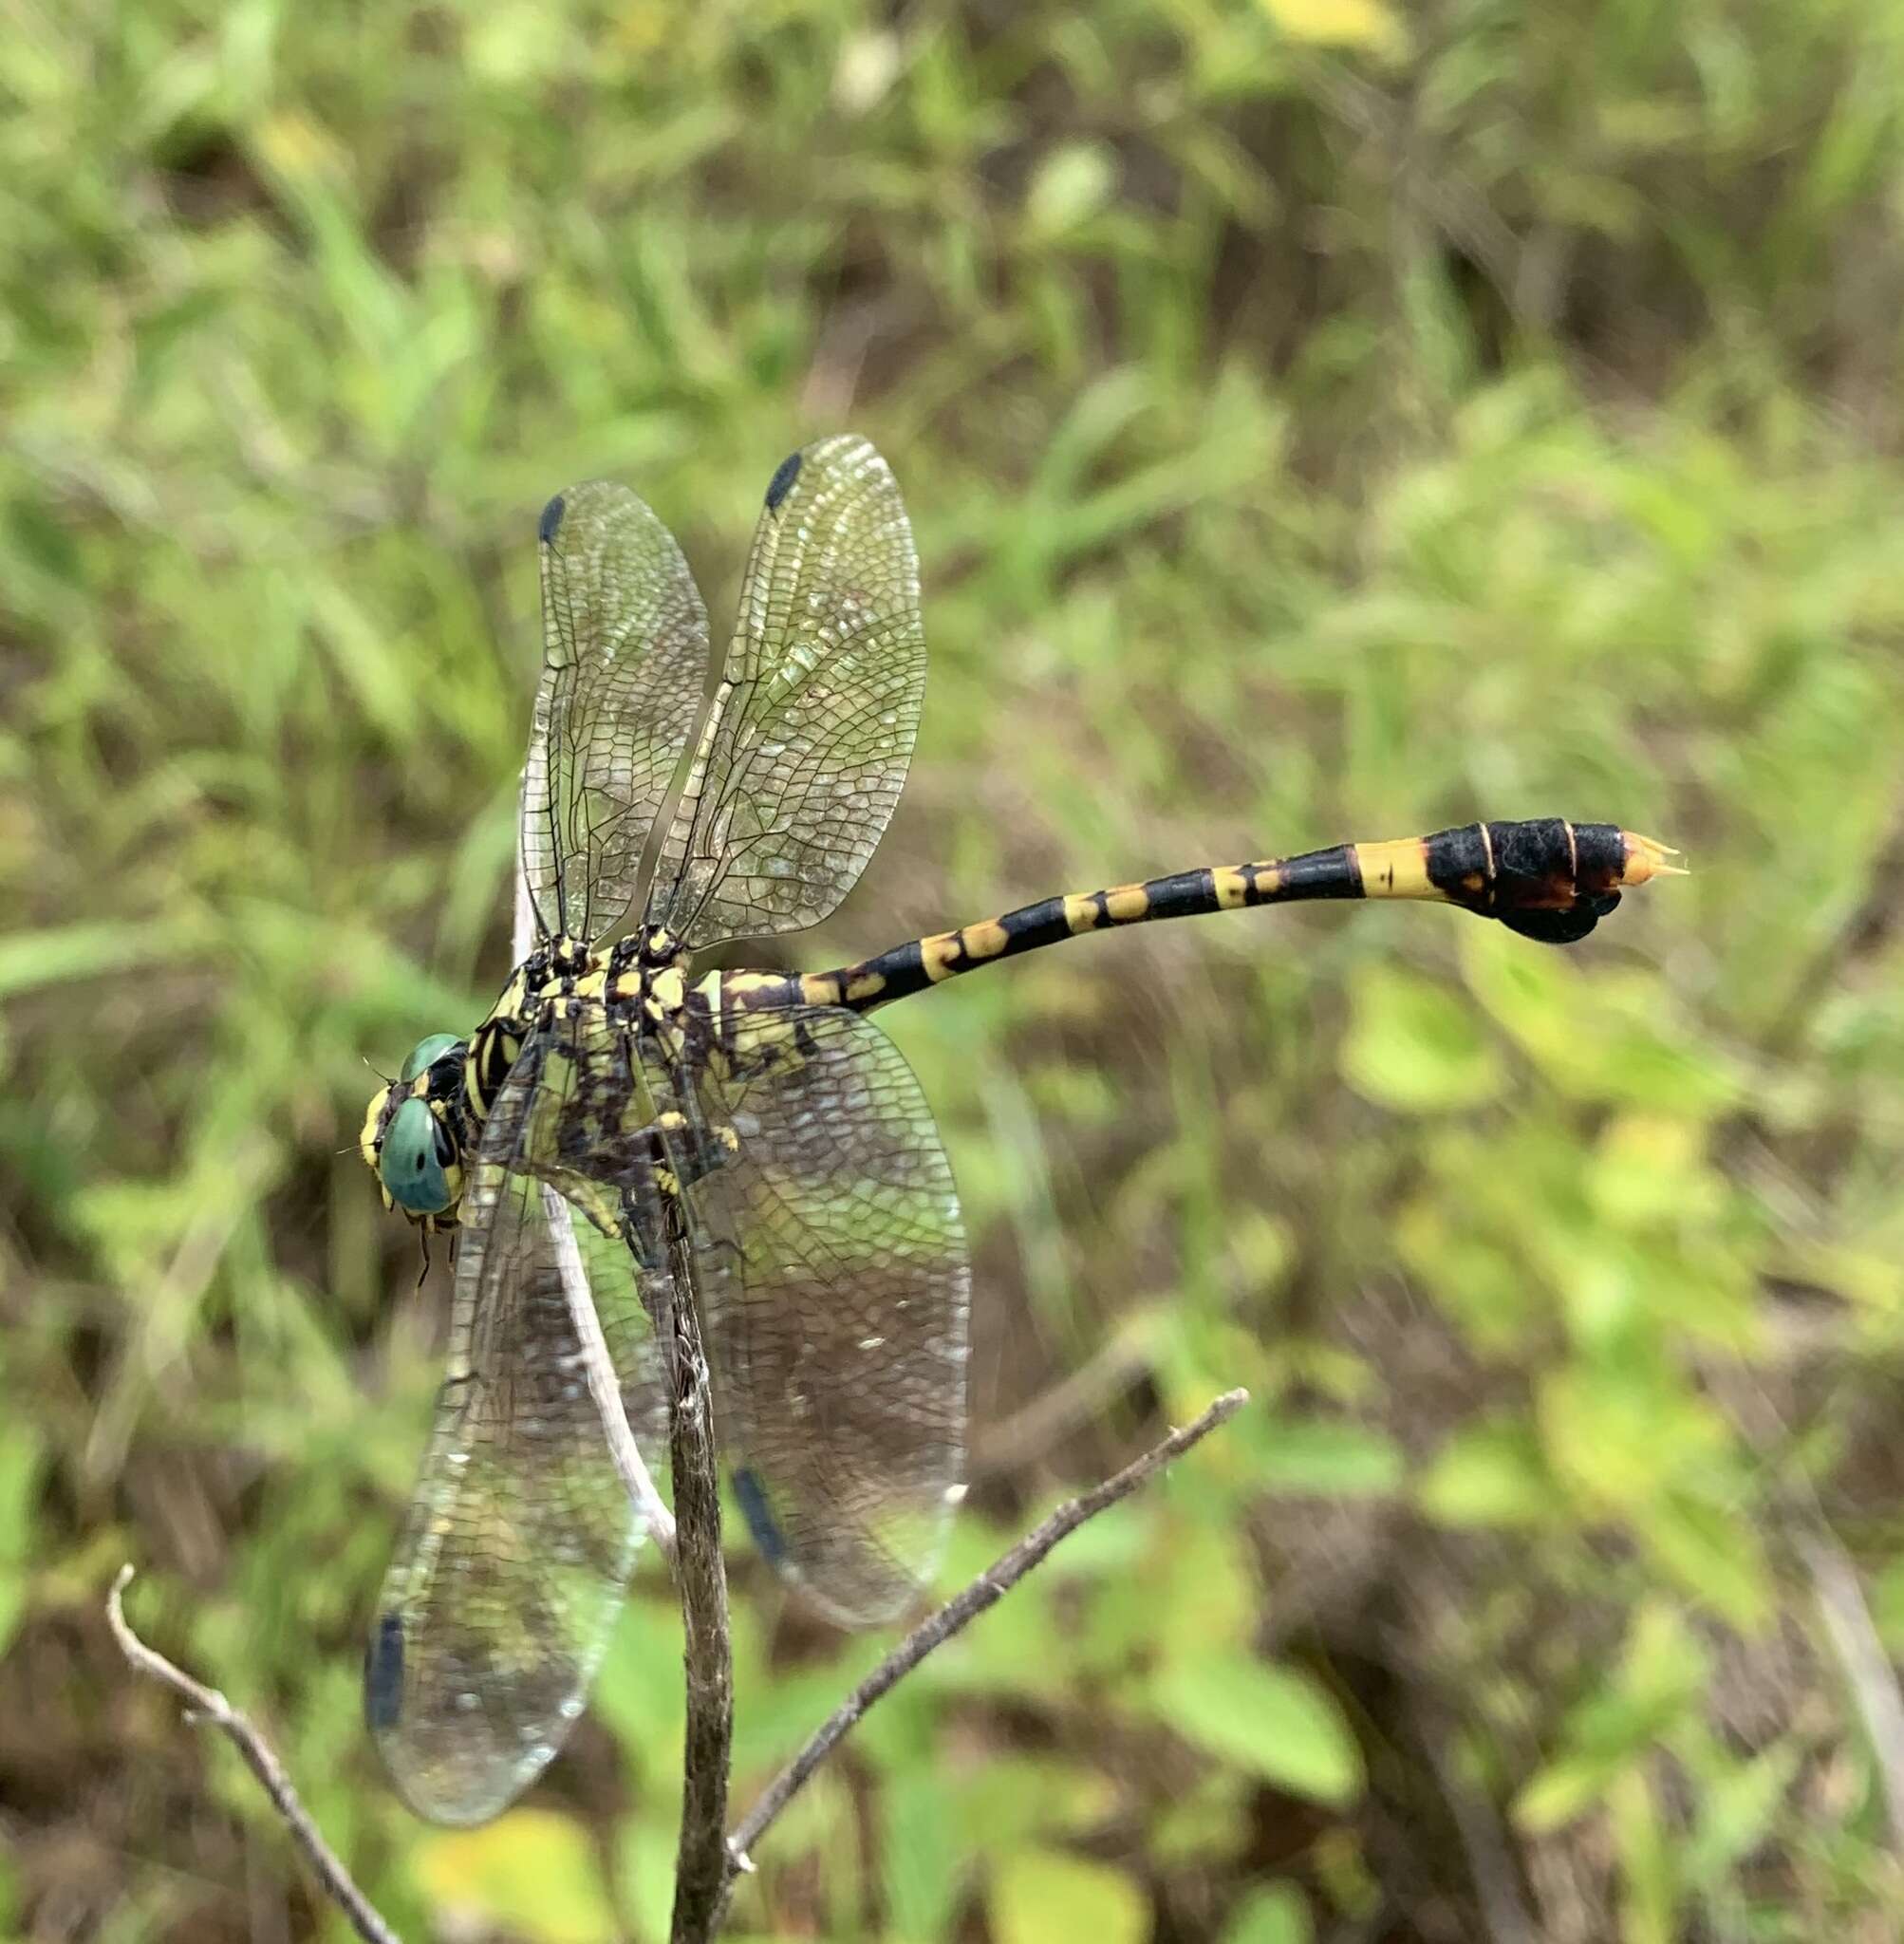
(384, 1673)
(782, 482)
(551, 518)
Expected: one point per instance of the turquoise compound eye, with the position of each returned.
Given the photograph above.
(425, 1053)
(407, 1165)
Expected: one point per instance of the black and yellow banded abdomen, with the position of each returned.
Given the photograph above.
(1547, 878)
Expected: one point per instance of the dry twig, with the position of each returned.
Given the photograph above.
(708, 1864)
(986, 1590)
(207, 1704)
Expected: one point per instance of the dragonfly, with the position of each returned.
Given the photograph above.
(749, 1142)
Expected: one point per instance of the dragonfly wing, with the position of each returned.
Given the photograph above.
(805, 748)
(833, 1273)
(625, 663)
(519, 1540)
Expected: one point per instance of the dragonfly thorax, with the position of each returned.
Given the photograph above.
(420, 1130)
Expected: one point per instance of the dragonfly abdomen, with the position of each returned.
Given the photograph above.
(1546, 877)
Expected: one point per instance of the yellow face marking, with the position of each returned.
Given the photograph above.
(1081, 914)
(366, 1141)
(1231, 887)
(1126, 903)
(1395, 869)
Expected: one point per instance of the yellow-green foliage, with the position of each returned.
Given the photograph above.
(1321, 419)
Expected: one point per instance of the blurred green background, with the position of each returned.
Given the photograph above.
(1321, 419)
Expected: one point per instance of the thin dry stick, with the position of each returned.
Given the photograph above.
(701, 1576)
(989, 1587)
(207, 1704)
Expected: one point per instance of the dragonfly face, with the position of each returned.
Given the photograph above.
(410, 1134)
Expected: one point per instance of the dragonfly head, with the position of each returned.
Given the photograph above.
(409, 1140)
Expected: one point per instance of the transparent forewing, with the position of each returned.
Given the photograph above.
(805, 751)
(832, 1276)
(520, 1538)
(625, 663)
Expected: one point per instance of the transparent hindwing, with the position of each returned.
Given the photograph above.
(834, 1284)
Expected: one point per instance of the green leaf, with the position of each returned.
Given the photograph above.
(1075, 182)
(923, 1857)
(1204, 1824)
(1661, 1674)
(1328, 1456)
(1369, 24)
(1413, 1045)
(1046, 1897)
(1489, 1473)
(1276, 1721)
(1276, 1914)
(1713, 1552)
(21, 1450)
(29, 960)
(1565, 1789)
(533, 1872)
(1736, 1811)
(1648, 1861)
(1598, 1038)
(645, 1856)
